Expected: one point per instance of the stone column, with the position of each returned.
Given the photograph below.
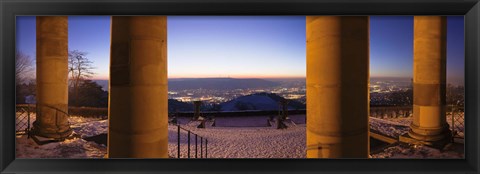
(337, 86)
(429, 78)
(138, 105)
(52, 78)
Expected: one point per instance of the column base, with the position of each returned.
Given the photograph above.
(438, 144)
(40, 140)
(429, 134)
(57, 135)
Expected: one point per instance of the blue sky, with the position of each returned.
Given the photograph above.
(251, 46)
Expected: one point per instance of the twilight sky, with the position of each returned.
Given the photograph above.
(252, 46)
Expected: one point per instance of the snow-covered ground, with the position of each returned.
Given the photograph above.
(227, 142)
(242, 142)
(391, 128)
(70, 148)
(91, 128)
(74, 148)
(398, 126)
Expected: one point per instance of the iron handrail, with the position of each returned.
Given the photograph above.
(179, 128)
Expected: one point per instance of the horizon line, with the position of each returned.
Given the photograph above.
(251, 77)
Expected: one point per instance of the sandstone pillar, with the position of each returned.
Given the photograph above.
(52, 77)
(138, 120)
(337, 86)
(429, 78)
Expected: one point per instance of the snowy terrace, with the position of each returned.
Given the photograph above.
(232, 137)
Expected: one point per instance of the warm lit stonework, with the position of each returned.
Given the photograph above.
(429, 79)
(138, 88)
(337, 86)
(52, 78)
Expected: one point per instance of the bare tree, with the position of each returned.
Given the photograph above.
(80, 68)
(23, 67)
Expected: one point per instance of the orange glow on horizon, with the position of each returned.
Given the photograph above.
(239, 76)
(242, 76)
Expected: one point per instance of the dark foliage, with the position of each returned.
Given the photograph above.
(24, 90)
(90, 94)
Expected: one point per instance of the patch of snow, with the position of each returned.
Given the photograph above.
(90, 129)
(70, 148)
(74, 148)
(387, 127)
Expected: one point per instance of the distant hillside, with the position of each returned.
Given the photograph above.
(103, 83)
(258, 101)
(210, 83)
(218, 83)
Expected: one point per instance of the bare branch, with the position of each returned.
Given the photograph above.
(23, 67)
(80, 69)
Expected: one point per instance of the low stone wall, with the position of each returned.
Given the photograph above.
(391, 111)
(237, 113)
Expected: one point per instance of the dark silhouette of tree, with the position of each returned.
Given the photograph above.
(23, 90)
(80, 68)
(91, 94)
(23, 67)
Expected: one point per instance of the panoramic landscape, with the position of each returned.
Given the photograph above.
(240, 99)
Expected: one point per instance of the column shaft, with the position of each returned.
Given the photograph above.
(429, 78)
(52, 77)
(337, 87)
(138, 122)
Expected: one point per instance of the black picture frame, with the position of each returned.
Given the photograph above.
(11, 8)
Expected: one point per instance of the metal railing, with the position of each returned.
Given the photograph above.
(457, 122)
(23, 119)
(189, 137)
(455, 116)
(26, 114)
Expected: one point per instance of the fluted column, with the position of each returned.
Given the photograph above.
(429, 78)
(138, 88)
(52, 77)
(337, 86)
